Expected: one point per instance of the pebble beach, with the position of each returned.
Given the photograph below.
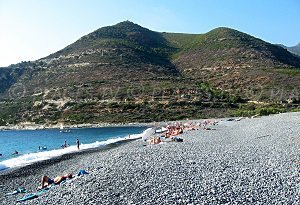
(251, 161)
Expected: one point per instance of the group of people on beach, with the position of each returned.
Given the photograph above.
(172, 131)
(65, 145)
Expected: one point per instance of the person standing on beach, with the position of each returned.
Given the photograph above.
(64, 145)
(78, 143)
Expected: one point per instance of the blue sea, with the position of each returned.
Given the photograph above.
(27, 143)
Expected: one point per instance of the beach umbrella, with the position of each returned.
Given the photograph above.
(148, 133)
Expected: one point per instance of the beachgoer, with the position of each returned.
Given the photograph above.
(46, 181)
(64, 145)
(15, 153)
(78, 143)
(0, 155)
(177, 139)
(155, 140)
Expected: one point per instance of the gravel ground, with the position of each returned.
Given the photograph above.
(252, 161)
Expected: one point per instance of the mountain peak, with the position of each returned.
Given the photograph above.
(123, 34)
(119, 30)
(127, 23)
(128, 26)
(224, 31)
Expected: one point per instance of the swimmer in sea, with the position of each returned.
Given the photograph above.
(15, 153)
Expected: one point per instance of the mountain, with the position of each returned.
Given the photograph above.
(292, 49)
(235, 61)
(295, 49)
(126, 51)
(126, 73)
(224, 47)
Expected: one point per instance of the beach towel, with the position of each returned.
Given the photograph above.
(37, 194)
(34, 195)
(82, 172)
(17, 191)
(28, 197)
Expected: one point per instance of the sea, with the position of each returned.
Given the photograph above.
(38, 145)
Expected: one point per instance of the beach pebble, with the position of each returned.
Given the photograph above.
(231, 165)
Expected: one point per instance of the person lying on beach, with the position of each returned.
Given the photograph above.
(155, 140)
(173, 131)
(178, 130)
(176, 139)
(46, 181)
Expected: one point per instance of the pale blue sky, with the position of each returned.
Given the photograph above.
(32, 29)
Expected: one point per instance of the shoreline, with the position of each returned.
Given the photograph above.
(32, 166)
(36, 157)
(76, 126)
(98, 125)
(237, 162)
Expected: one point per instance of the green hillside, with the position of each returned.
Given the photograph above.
(125, 42)
(127, 73)
(225, 48)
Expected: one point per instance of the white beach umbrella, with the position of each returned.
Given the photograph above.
(148, 133)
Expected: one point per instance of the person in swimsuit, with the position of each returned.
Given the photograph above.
(78, 143)
(15, 153)
(46, 181)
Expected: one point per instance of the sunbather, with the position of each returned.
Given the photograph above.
(46, 181)
(155, 140)
(177, 139)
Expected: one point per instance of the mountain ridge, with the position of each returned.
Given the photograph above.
(293, 49)
(129, 69)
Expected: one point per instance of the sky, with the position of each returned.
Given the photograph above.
(32, 29)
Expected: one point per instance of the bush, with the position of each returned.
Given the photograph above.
(251, 109)
(268, 111)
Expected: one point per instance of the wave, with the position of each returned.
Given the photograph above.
(31, 158)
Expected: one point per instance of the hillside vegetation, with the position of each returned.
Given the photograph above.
(127, 73)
